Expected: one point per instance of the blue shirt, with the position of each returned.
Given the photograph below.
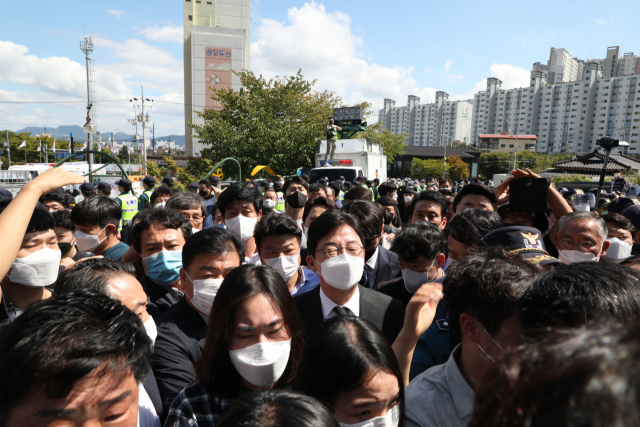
(309, 281)
(116, 252)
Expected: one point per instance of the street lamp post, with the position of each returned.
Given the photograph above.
(444, 157)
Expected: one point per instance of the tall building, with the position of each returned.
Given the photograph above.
(429, 124)
(217, 41)
(566, 117)
(561, 67)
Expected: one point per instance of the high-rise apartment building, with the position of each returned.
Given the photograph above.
(429, 124)
(217, 41)
(566, 117)
(561, 67)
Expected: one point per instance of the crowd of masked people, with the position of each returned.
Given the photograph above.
(397, 303)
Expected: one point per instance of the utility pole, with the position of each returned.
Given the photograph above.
(86, 46)
(144, 138)
(6, 138)
(153, 143)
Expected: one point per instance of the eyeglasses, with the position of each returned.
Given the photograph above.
(583, 246)
(352, 249)
(196, 218)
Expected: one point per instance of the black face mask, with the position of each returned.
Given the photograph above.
(369, 254)
(297, 200)
(203, 193)
(64, 248)
(388, 217)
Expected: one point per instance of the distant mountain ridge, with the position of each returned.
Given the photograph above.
(63, 130)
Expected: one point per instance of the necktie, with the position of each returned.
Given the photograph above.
(341, 311)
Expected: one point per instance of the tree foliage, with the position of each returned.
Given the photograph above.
(502, 163)
(392, 143)
(455, 168)
(33, 155)
(274, 122)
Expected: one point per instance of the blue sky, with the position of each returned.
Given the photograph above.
(361, 50)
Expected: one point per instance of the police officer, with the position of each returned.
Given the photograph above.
(129, 205)
(168, 181)
(148, 182)
(280, 205)
(87, 189)
(104, 189)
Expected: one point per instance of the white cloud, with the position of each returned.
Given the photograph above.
(169, 33)
(427, 70)
(603, 21)
(116, 13)
(447, 65)
(453, 78)
(129, 64)
(303, 43)
(510, 75)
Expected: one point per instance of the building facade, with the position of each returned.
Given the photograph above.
(429, 124)
(566, 117)
(506, 143)
(217, 41)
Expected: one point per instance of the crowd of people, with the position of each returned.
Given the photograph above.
(398, 303)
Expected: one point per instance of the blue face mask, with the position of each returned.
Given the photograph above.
(164, 267)
(221, 225)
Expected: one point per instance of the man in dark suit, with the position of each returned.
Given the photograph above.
(336, 254)
(207, 258)
(380, 265)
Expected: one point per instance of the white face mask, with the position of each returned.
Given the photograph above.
(37, 270)
(242, 226)
(88, 242)
(286, 266)
(150, 328)
(413, 279)
(204, 292)
(343, 271)
(581, 207)
(494, 341)
(270, 204)
(194, 230)
(569, 257)
(262, 364)
(390, 419)
(394, 197)
(618, 251)
(617, 175)
(160, 205)
(407, 199)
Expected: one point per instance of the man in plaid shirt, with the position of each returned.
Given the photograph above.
(619, 183)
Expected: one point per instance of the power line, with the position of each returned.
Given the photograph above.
(60, 102)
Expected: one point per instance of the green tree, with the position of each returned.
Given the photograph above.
(457, 169)
(274, 122)
(392, 143)
(123, 154)
(424, 169)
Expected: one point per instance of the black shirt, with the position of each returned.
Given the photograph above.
(81, 254)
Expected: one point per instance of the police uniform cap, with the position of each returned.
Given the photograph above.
(104, 186)
(519, 239)
(620, 204)
(149, 180)
(87, 187)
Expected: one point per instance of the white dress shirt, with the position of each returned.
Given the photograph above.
(373, 261)
(327, 305)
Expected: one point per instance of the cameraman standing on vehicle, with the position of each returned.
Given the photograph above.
(332, 136)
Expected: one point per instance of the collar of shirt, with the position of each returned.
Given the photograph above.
(327, 305)
(301, 280)
(254, 259)
(373, 260)
(461, 393)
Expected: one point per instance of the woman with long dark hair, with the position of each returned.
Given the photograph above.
(350, 367)
(254, 341)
